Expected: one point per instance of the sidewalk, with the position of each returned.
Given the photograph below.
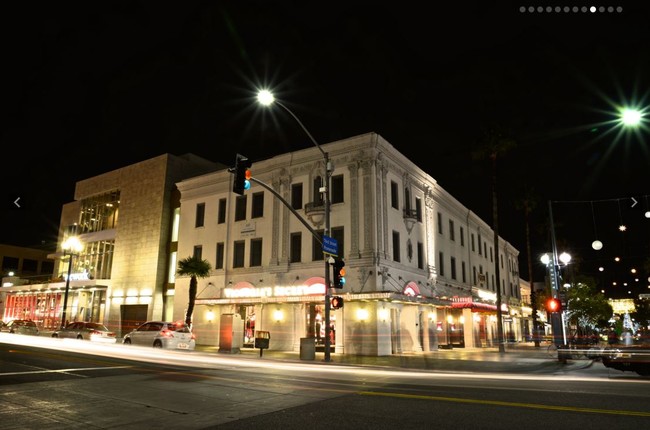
(518, 358)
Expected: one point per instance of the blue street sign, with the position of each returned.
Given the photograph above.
(330, 246)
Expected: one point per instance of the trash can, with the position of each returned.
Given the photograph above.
(307, 348)
(262, 339)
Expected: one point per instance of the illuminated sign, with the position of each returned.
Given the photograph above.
(83, 276)
(300, 290)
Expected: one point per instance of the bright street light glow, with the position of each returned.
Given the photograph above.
(265, 97)
(630, 117)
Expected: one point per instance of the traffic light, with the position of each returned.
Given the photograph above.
(336, 302)
(553, 305)
(242, 174)
(339, 273)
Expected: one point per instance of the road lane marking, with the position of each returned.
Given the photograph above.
(81, 369)
(511, 404)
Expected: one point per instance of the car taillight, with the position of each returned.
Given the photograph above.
(95, 333)
(167, 333)
(193, 336)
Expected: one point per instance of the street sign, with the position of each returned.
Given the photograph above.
(330, 246)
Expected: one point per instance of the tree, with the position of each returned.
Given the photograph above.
(588, 309)
(195, 268)
(527, 203)
(641, 312)
(493, 143)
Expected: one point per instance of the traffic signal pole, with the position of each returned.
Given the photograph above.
(557, 319)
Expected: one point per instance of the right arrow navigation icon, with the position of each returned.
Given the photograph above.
(634, 202)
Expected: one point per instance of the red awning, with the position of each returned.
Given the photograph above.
(475, 306)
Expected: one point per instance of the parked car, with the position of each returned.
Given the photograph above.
(92, 331)
(20, 327)
(633, 358)
(162, 334)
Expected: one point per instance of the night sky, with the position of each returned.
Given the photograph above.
(89, 87)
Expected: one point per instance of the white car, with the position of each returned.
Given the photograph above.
(162, 334)
(81, 330)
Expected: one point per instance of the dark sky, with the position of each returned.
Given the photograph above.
(88, 87)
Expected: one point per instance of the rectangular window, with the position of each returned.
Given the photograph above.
(238, 254)
(479, 245)
(394, 195)
(218, 264)
(317, 195)
(336, 195)
(257, 211)
(316, 247)
(464, 272)
(296, 247)
(256, 252)
(462, 236)
(240, 208)
(491, 259)
(337, 233)
(473, 244)
(441, 263)
(200, 215)
(451, 230)
(221, 216)
(420, 256)
(439, 223)
(474, 280)
(418, 208)
(396, 256)
(485, 250)
(198, 252)
(453, 267)
(296, 196)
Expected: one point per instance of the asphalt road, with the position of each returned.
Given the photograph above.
(58, 386)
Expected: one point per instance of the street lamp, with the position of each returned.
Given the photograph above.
(71, 247)
(266, 98)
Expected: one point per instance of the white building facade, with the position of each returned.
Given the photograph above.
(419, 265)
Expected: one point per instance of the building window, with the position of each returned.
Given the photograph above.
(337, 233)
(479, 245)
(407, 200)
(316, 247)
(394, 195)
(420, 250)
(463, 272)
(238, 254)
(418, 208)
(29, 266)
(240, 208)
(462, 236)
(257, 211)
(256, 252)
(396, 256)
(441, 263)
(218, 264)
(474, 280)
(316, 194)
(452, 260)
(473, 244)
(485, 250)
(452, 236)
(198, 252)
(491, 258)
(296, 196)
(336, 195)
(296, 247)
(200, 215)
(439, 223)
(221, 216)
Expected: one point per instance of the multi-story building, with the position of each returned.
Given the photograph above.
(123, 219)
(420, 265)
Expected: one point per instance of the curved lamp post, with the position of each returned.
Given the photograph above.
(266, 98)
(71, 247)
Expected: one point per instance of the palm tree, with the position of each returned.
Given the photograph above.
(493, 143)
(527, 203)
(196, 268)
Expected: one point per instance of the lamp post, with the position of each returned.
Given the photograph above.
(266, 98)
(71, 247)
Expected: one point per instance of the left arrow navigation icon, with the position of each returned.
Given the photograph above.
(16, 202)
